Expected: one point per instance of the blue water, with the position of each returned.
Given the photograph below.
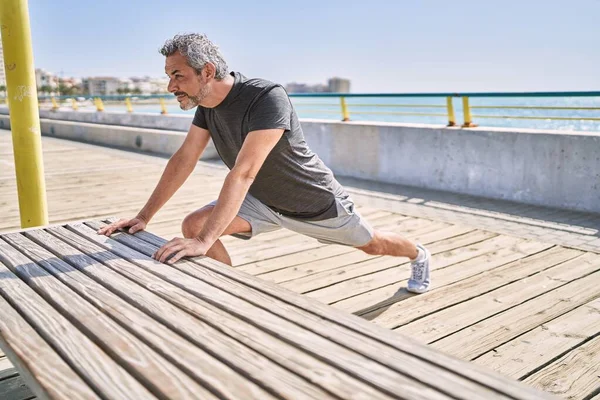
(365, 109)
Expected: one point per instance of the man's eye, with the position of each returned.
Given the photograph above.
(178, 76)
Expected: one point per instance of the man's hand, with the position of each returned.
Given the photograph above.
(181, 248)
(135, 224)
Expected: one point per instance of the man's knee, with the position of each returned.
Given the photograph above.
(193, 223)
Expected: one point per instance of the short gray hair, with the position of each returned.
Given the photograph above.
(198, 50)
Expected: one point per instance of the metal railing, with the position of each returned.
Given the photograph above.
(346, 110)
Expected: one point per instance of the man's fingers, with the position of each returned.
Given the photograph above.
(137, 227)
(165, 247)
(177, 257)
(170, 251)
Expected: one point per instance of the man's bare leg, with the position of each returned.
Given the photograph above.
(192, 226)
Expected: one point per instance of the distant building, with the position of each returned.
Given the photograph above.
(305, 88)
(338, 85)
(2, 73)
(334, 85)
(103, 85)
(45, 78)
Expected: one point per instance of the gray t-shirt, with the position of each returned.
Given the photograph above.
(293, 180)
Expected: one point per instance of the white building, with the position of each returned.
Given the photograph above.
(102, 85)
(338, 85)
(45, 78)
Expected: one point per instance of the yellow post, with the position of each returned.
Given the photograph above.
(451, 117)
(99, 104)
(345, 113)
(163, 107)
(74, 104)
(467, 113)
(128, 104)
(54, 104)
(24, 117)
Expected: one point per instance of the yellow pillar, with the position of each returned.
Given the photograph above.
(99, 104)
(467, 113)
(163, 107)
(24, 117)
(74, 104)
(54, 104)
(128, 104)
(450, 106)
(345, 113)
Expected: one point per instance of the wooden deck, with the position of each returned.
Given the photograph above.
(526, 309)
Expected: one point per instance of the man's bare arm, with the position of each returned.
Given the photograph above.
(178, 169)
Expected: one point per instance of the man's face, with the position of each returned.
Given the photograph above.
(189, 87)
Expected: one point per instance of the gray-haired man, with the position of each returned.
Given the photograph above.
(274, 181)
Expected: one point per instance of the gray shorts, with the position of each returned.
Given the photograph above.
(348, 228)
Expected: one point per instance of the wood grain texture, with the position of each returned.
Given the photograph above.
(134, 355)
(572, 376)
(248, 365)
(54, 378)
(523, 355)
(94, 365)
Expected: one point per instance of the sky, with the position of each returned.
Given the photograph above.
(394, 46)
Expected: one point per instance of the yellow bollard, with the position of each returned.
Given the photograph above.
(74, 104)
(451, 117)
(467, 113)
(99, 104)
(163, 107)
(24, 116)
(345, 113)
(128, 105)
(54, 104)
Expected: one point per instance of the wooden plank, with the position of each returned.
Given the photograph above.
(139, 358)
(524, 354)
(452, 319)
(572, 376)
(226, 382)
(202, 332)
(97, 368)
(498, 275)
(326, 315)
(362, 284)
(54, 378)
(503, 327)
(14, 388)
(6, 369)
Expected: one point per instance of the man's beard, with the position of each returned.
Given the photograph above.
(194, 101)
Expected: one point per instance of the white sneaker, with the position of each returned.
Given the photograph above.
(419, 278)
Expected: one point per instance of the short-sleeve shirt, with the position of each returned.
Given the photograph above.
(293, 180)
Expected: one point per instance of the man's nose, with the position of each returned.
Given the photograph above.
(171, 87)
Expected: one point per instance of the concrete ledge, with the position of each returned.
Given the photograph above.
(154, 141)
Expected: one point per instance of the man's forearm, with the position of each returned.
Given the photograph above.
(178, 169)
(229, 202)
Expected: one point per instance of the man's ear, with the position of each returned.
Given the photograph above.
(209, 71)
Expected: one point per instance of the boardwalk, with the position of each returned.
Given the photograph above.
(525, 308)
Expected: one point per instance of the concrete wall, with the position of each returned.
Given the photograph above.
(154, 141)
(551, 168)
